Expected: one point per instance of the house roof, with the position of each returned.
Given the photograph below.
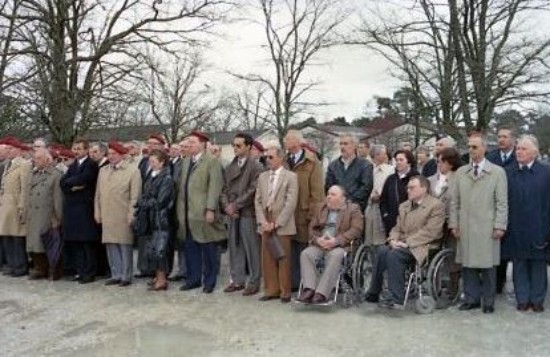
(381, 125)
(226, 137)
(125, 133)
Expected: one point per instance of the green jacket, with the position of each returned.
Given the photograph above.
(204, 188)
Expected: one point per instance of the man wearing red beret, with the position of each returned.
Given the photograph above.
(13, 193)
(118, 189)
(198, 212)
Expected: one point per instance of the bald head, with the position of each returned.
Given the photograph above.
(336, 197)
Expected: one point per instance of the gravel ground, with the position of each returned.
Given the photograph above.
(67, 319)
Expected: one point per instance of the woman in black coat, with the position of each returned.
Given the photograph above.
(153, 213)
(395, 188)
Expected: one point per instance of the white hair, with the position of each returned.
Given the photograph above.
(530, 139)
(352, 137)
(297, 134)
(449, 141)
(44, 152)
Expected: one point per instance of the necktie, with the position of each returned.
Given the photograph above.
(271, 195)
(414, 206)
(504, 157)
(240, 163)
(476, 170)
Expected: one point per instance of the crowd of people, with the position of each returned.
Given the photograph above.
(81, 213)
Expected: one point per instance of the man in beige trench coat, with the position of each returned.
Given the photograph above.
(478, 219)
(118, 189)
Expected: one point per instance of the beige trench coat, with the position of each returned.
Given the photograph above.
(12, 198)
(478, 206)
(118, 190)
(44, 206)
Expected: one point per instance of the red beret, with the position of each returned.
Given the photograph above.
(258, 145)
(12, 141)
(26, 147)
(159, 137)
(203, 138)
(309, 147)
(118, 147)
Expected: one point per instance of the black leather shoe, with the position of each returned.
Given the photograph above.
(467, 306)
(208, 289)
(176, 278)
(112, 282)
(86, 280)
(488, 309)
(18, 275)
(537, 307)
(75, 278)
(190, 286)
(125, 283)
(523, 307)
(372, 298)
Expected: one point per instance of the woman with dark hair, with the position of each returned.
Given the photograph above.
(395, 188)
(154, 207)
(441, 187)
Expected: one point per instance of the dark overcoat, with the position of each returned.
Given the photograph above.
(78, 186)
(393, 194)
(528, 213)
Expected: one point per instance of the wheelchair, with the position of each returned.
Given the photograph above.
(431, 282)
(344, 293)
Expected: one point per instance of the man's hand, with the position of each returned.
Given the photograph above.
(400, 244)
(268, 227)
(456, 232)
(375, 196)
(209, 217)
(230, 210)
(498, 234)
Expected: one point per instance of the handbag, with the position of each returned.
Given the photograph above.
(140, 225)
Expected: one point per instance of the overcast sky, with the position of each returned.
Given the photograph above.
(350, 76)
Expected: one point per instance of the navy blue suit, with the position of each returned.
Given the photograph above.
(495, 157)
(527, 238)
(80, 231)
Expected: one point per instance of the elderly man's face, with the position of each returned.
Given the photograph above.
(184, 148)
(40, 160)
(175, 150)
(526, 152)
(440, 145)
(415, 191)
(476, 149)
(114, 157)
(195, 146)
(422, 157)
(335, 197)
(347, 147)
(240, 149)
(291, 142)
(381, 157)
(274, 161)
(95, 153)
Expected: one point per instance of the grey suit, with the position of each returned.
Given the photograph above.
(244, 245)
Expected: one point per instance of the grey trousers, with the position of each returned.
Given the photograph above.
(244, 251)
(479, 284)
(310, 275)
(121, 260)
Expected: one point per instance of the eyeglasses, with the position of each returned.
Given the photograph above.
(473, 147)
(270, 157)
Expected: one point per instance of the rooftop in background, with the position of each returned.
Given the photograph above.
(125, 133)
(226, 137)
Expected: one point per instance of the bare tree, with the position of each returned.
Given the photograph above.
(461, 58)
(296, 32)
(506, 62)
(174, 95)
(87, 52)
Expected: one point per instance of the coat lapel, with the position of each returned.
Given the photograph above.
(282, 177)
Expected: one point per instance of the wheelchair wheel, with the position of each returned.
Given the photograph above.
(440, 284)
(425, 305)
(362, 269)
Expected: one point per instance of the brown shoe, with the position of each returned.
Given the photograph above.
(231, 288)
(251, 290)
(537, 307)
(36, 275)
(268, 298)
(522, 307)
(306, 296)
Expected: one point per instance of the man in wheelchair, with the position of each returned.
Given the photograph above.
(420, 222)
(332, 229)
